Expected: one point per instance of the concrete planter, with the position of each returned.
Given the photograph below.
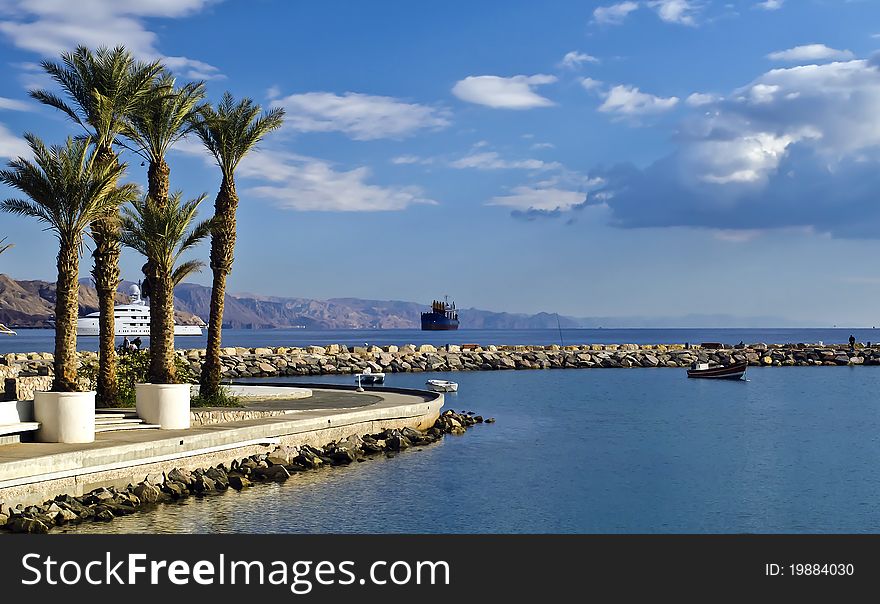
(65, 417)
(164, 404)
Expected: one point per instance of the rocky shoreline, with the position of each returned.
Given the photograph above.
(105, 504)
(337, 359)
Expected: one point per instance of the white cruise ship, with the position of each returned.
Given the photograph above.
(132, 319)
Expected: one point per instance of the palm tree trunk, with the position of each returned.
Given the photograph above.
(157, 188)
(222, 252)
(66, 312)
(162, 367)
(105, 233)
(158, 182)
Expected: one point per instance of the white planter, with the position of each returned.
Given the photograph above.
(65, 417)
(164, 404)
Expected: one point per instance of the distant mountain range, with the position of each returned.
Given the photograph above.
(31, 304)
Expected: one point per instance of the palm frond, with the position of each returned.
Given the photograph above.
(233, 129)
(186, 269)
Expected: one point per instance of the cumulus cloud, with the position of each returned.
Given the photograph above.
(48, 27)
(359, 116)
(699, 99)
(810, 52)
(307, 184)
(629, 101)
(516, 92)
(682, 12)
(590, 84)
(795, 148)
(490, 160)
(574, 59)
(614, 14)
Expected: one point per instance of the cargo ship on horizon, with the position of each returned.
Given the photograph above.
(443, 317)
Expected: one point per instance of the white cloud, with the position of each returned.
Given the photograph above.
(591, 84)
(676, 11)
(308, 184)
(14, 105)
(630, 101)
(490, 160)
(359, 116)
(810, 52)
(273, 92)
(539, 146)
(193, 69)
(516, 92)
(48, 27)
(539, 199)
(12, 146)
(574, 59)
(770, 4)
(699, 99)
(614, 14)
(402, 160)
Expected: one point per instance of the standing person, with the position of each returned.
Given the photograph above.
(852, 342)
(126, 345)
(136, 343)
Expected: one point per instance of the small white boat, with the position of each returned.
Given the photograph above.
(442, 385)
(6, 331)
(368, 377)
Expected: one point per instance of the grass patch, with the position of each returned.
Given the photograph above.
(222, 399)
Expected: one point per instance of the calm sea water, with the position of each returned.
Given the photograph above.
(42, 340)
(595, 451)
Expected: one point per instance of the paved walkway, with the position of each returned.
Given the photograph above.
(327, 410)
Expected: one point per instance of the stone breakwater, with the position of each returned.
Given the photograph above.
(340, 359)
(105, 504)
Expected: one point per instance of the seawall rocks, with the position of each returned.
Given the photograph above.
(174, 483)
(23, 371)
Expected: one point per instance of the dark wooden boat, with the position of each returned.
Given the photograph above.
(718, 372)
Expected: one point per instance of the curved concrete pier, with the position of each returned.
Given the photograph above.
(34, 472)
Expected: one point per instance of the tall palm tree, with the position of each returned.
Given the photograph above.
(69, 188)
(161, 119)
(163, 233)
(229, 132)
(102, 89)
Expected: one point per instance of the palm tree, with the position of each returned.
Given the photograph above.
(163, 233)
(161, 119)
(229, 132)
(69, 188)
(103, 88)
(3, 248)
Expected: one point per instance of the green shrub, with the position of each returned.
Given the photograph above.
(132, 368)
(222, 399)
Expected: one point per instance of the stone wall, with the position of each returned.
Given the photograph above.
(206, 417)
(340, 359)
(23, 388)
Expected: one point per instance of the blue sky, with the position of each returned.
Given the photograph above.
(651, 158)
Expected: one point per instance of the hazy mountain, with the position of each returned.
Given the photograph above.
(30, 304)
